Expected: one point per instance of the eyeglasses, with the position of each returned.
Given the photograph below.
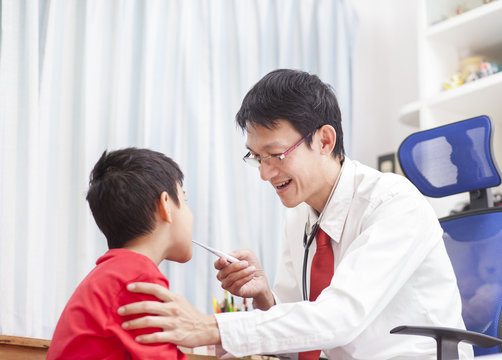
(256, 161)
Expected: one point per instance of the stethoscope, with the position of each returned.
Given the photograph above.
(309, 237)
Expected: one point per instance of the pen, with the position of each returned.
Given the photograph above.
(227, 257)
(215, 304)
(229, 306)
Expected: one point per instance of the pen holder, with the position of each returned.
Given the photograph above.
(230, 305)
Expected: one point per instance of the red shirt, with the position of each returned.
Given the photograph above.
(90, 328)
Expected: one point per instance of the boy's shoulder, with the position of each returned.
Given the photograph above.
(121, 257)
(117, 268)
(125, 265)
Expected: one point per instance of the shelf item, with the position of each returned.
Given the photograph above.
(479, 97)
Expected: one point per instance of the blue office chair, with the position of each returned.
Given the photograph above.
(452, 159)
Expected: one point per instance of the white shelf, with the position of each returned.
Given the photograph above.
(479, 31)
(410, 114)
(480, 97)
(475, 29)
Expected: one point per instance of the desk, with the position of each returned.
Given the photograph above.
(21, 348)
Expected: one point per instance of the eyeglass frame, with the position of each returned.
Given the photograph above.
(257, 160)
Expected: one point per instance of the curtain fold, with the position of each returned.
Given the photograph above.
(79, 77)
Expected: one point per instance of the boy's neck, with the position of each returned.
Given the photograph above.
(147, 246)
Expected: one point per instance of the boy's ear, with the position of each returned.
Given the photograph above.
(164, 208)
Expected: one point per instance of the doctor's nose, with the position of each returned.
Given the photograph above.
(268, 170)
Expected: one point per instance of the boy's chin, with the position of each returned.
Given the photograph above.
(179, 258)
(185, 260)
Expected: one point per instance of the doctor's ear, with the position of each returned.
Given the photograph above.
(327, 136)
(164, 207)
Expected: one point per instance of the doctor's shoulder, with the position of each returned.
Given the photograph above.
(377, 188)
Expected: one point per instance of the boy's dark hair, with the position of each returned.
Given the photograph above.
(124, 190)
(296, 96)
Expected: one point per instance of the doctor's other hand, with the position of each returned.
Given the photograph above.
(245, 278)
(182, 323)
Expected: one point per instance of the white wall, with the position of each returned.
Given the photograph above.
(385, 76)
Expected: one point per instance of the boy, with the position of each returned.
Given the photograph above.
(136, 200)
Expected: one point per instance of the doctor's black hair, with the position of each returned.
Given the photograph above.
(124, 192)
(296, 96)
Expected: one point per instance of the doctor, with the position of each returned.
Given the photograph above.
(362, 251)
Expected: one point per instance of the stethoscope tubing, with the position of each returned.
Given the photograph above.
(306, 244)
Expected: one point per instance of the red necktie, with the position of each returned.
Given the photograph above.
(321, 272)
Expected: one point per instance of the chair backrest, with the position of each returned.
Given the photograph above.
(473, 241)
(450, 159)
(453, 159)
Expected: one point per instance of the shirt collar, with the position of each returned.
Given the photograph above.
(338, 208)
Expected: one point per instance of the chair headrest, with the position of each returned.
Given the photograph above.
(450, 159)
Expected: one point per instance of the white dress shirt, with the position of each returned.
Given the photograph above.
(391, 268)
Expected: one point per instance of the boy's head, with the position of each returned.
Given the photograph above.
(125, 188)
(296, 96)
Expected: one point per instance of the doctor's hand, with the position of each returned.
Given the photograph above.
(245, 278)
(182, 323)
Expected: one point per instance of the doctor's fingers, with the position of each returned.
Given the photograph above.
(158, 337)
(233, 269)
(245, 256)
(146, 307)
(175, 329)
(236, 287)
(156, 290)
(221, 263)
(174, 336)
(236, 279)
(167, 321)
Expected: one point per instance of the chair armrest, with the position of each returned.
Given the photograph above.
(447, 339)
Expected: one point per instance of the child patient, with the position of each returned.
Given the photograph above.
(136, 199)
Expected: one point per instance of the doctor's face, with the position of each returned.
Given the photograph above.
(296, 177)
